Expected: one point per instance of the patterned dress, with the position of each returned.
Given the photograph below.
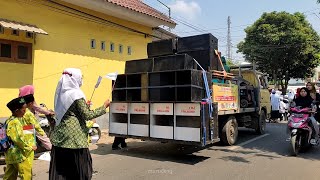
(22, 143)
(19, 157)
(70, 156)
(72, 132)
(30, 118)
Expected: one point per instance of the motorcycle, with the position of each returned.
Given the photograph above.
(300, 129)
(94, 131)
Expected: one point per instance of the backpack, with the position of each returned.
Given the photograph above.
(5, 142)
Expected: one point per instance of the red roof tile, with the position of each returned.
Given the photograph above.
(139, 6)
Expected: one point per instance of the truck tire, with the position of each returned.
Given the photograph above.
(261, 124)
(229, 132)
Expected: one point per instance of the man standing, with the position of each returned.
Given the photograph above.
(275, 106)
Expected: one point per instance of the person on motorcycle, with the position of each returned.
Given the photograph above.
(316, 98)
(304, 101)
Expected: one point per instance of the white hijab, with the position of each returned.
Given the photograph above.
(68, 90)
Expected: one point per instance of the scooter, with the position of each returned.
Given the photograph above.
(94, 131)
(301, 131)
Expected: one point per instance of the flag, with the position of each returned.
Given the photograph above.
(98, 82)
(112, 76)
(28, 129)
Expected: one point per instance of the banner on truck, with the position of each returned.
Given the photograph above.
(226, 97)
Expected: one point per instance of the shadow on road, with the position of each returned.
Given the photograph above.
(155, 151)
(235, 159)
(273, 146)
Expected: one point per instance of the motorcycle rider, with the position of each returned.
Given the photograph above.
(304, 100)
(316, 97)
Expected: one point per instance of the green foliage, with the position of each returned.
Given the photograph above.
(283, 45)
(230, 62)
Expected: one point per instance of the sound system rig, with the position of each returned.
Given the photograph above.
(169, 74)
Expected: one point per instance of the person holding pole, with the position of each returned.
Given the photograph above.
(70, 155)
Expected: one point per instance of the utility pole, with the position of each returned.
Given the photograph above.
(229, 44)
(168, 9)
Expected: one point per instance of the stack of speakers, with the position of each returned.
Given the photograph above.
(169, 74)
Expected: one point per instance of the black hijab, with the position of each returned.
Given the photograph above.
(304, 102)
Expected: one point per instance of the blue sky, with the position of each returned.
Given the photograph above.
(211, 16)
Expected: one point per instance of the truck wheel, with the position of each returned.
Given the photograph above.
(229, 132)
(261, 124)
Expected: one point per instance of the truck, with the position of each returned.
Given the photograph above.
(182, 94)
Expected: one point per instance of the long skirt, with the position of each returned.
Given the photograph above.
(70, 164)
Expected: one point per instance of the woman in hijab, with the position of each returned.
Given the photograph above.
(316, 98)
(304, 99)
(70, 156)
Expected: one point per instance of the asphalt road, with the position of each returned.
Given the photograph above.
(253, 158)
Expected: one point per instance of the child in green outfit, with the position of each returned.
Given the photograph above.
(17, 156)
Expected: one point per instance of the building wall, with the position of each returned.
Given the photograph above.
(67, 45)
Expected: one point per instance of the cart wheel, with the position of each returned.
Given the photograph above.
(229, 132)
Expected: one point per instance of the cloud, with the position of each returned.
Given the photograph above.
(188, 10)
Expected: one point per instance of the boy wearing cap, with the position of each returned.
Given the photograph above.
(17, 156)
(30, 119)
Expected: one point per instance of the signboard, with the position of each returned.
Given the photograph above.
(227, 96)
(139, 108)
(119, 108)
(187, 109)
(162, 108)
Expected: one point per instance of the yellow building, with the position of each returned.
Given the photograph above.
(40, 38)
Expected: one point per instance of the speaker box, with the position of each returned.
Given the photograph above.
(206, 58)
(174, 62)
(198, 42)
(162, 48)
(138, 66)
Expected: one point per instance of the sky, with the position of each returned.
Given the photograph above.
(210, 16)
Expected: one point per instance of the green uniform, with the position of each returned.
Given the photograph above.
(30, 118)
(72, 132)
(18, 157)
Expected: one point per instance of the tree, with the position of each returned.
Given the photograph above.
(283, 45)
(230, 62)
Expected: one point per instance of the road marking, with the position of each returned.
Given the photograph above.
(247, 142)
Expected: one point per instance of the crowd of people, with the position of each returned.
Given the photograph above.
(70, 156)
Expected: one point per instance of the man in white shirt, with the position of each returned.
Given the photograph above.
(275, 106)
(290, 96)
(283, 109)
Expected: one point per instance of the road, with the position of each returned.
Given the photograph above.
(253, 158)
